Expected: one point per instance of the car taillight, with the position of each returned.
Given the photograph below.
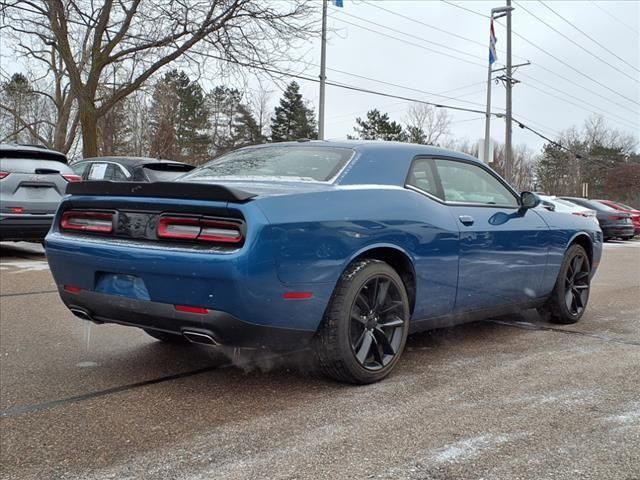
(616, 217)
(99, 222)
(72, 177)
(199, 229)
(3, 175)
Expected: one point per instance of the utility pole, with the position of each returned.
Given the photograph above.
(323, 69)
(508, 154)
(496, 13)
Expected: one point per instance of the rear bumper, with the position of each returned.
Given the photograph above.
(24, 227)
(618, 231)
(223, 327)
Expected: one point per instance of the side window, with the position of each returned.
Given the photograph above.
(97, 171)
(80, 169)
(467, 183)
(422, 176)
(115, 173)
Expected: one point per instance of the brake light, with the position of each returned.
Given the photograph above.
(17, 210)
(189, 309)
(616, 217)
(199, 229)
(69, 177)
(217, 231)
(3, 175)
(179, 228)
(72, 289)
(99, 222)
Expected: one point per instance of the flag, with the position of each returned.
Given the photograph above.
(337, 3)
(493, 56)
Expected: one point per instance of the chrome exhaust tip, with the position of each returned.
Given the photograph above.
(200, 338)
(84, 315)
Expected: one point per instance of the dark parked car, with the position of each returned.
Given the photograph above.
(634, 212)
(345, 247)
(33, 179)
(130, 169)
(614, 223)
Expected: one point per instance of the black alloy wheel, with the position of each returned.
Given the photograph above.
(365, 326)
(377, 327)
(568, 300)
(577, 285)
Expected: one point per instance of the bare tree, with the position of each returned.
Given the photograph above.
(259, 102)
(51, 118)
(139, 37)
(427, 124)
(597, 132)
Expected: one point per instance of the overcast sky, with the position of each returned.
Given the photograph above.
(554, 93)
(615, 24)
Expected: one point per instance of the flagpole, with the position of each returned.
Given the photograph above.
(323, 67)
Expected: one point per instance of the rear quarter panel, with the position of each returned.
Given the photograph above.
(317, 235)
(565, 229)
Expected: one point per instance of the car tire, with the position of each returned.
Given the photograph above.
(365, 326)
(167, 337)
(627, 238)
(570, 296)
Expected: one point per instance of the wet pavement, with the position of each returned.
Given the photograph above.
(510, 398)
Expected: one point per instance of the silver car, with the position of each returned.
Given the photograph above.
(32, 182)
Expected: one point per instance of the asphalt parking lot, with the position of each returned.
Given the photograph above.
(511, 398)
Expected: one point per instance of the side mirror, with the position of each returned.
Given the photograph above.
(529, 200)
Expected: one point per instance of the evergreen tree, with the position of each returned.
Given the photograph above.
(293, 118)
(17, 99)
(377, 126)
(232, 122)
(179, 119)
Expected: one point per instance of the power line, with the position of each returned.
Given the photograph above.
(553, 142)
(589, 37)
(410, 43)
(465, 8)
(626, 107)
(572, 82)
(349, 87)
(605, 115)
(386, 106)
(462, 52)
(576, 105)
(635, 79)
(474, 103)
(401, 86)
(441, 30)
(549, 54)
(636, 32)
(388, 95)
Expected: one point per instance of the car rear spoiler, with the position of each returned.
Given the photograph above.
(191, 191)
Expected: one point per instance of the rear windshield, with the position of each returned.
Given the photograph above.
(290, 163)
(566, 203)
(33, 155)
(592, 204)
(164, 172)
(28, 165)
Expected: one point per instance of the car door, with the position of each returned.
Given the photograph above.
(503, 248)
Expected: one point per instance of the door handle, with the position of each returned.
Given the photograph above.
(466, 220)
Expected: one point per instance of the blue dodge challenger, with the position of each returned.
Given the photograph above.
(345, 247)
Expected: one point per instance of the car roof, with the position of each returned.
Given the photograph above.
(36, 152)
(129, 161)
(369, 146)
